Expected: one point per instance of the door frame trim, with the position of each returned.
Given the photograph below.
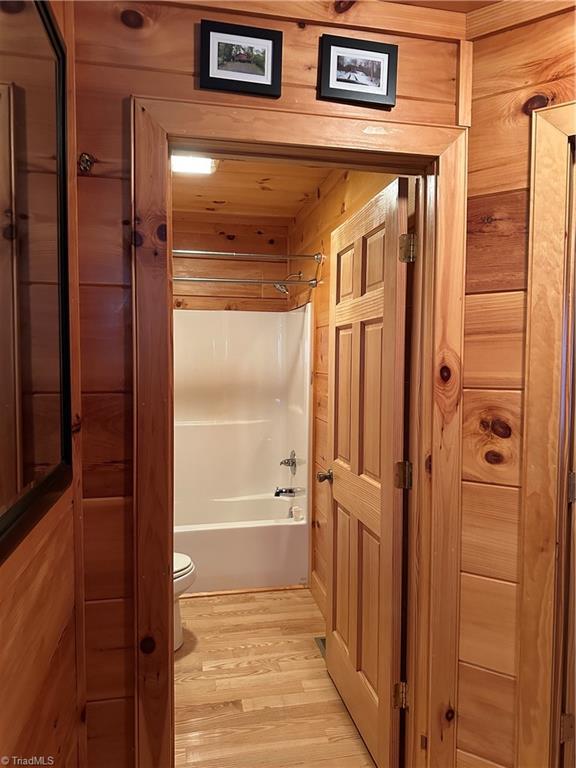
(439, 153)
(544, 440)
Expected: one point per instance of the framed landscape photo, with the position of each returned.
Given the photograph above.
(358, 71)
(240, 59)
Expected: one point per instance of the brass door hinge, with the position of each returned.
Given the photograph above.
(401, 695)
(408, 248)
(403, 475)
(566, 727)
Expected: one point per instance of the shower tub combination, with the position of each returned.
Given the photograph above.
(241, 405)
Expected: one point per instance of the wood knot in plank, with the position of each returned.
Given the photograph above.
(494, 457)
(497, 427)
(161, 232)
(341, 6)
(12, 6)
(132, 19)
(137, 238)
(76, 424)
(447, 385)
(148, 644)
(538, 101)
(501, 428)
(9, 232)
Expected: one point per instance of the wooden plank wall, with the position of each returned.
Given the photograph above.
(148, 49)
(340, 196)
(41, 662)
(514, 72)
(265, 235)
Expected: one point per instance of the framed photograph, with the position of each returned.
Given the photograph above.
(357, 71)
(240, 59)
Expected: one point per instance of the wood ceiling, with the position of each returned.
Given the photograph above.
(249, 188)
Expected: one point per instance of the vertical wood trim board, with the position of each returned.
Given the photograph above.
(153, 442)
(447, 448)
(544, 426)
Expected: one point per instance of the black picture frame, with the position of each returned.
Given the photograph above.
(209, 32)
(347, 93)
(17, 521)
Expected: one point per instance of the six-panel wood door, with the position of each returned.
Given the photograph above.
(366, 434)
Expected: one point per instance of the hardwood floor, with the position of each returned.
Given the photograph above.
(251, 687)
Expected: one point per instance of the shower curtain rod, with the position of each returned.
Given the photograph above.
(249, 280)
(317, 257)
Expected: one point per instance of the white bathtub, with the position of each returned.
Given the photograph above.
(241, 405)
(270, 550)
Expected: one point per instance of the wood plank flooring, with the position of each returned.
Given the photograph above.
(252, 690)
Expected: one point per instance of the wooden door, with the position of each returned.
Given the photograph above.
(565, 740)
(366, 434)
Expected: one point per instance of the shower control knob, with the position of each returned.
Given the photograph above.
(323, 476)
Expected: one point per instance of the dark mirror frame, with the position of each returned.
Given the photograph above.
(17, 521)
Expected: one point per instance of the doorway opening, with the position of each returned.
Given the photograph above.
(437, 157)
(274, 388)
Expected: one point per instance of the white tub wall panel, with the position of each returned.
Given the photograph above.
(241, 404)
(242, 399)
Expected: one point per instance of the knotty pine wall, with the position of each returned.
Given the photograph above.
(514, 72)
(266, 236)
(41, 591)
(151, 52)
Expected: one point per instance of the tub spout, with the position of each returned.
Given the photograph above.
(288, 491)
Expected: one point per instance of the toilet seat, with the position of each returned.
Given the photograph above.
(182, 565)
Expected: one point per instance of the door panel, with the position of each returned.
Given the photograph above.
(369, 608)
(366, 427)
(371, 367)
(374, 266)
(344, 394)
(342, 586)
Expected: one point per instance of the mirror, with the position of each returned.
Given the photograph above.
(35, 442)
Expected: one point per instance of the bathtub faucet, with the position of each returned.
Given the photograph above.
(290, 462)
(288, 491)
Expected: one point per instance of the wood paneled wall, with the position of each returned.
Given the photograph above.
(153, 54)
(267, 236)
(41, 590)
(38, 661)
(341, 195)
(514, 72)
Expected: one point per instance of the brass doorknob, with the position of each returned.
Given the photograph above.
(323, 476)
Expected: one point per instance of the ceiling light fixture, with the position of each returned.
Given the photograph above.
(182, 163)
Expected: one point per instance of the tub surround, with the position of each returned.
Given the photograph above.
(241, 405)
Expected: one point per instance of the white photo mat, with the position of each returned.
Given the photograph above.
(353, 53)
(255, 42)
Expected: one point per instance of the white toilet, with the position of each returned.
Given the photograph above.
(184, 574)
